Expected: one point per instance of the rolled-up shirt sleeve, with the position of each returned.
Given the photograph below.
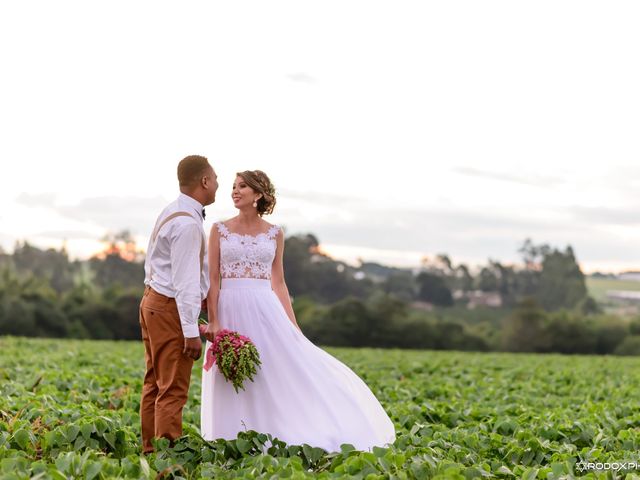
(185, 276)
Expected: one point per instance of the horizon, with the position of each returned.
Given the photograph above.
(354, 262)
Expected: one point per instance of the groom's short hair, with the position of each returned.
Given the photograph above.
(191, 169)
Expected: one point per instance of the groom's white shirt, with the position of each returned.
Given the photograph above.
(175, 259)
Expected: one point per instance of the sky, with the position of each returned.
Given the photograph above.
(392, 130)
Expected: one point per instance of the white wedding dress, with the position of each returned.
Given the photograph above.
(301, 394)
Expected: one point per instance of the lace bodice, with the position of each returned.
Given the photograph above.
(246, 256)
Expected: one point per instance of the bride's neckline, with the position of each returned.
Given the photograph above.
(229, 232)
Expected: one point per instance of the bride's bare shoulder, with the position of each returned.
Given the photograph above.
(266, 224)
(229, 222)
(223, 225)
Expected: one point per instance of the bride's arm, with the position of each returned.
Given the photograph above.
(214, 284)
(277, 280)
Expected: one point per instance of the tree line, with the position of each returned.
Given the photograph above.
(544, 304)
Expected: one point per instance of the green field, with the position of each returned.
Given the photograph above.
(69, 410)
(598, 287)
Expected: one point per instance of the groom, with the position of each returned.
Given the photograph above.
(176, 283)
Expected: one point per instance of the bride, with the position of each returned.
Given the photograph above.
(301, 394)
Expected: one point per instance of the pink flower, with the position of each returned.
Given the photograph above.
(235, 355)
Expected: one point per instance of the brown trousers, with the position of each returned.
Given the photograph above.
(166, 381)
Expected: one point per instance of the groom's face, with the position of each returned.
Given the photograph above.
(212, 185)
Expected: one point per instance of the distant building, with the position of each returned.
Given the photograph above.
(478, 298)
(425, 306)
(635, 276)
(629, 296)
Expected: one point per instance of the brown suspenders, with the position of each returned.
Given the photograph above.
(155, 235)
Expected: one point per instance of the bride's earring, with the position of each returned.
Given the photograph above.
(255, 203)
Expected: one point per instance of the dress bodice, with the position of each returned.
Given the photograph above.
(246, 256)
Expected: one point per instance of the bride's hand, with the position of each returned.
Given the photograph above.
(211, 331)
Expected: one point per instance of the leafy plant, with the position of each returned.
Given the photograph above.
(68, 409)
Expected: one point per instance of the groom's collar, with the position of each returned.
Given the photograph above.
(192, 203)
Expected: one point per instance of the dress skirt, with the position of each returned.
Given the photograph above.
(301, 394)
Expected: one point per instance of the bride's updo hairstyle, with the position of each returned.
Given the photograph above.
(260, 183)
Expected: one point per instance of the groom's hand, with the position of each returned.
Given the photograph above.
(192, 347)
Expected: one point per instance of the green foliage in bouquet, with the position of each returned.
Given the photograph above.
(236, 356)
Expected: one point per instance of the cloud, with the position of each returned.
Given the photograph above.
(467, 234)
(607, 216)
(301, 77)
(115, 213)
(460, 232)
(533, 180)
(621, 180)
(319, 197)
(37, 199)
(68, 235)
(351, 221)
(605, 248)
(136, 214)
(471, 237)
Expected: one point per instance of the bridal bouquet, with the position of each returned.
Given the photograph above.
(236, 355)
